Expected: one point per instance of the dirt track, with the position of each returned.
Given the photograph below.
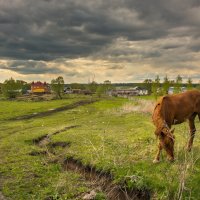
(99, 180)
(45, 139)
(50, 112)
(104, 181)
(2, 197)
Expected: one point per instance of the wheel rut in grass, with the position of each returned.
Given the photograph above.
(45, 140)
(99, 180)
(52, 111)
(37, 153)
(104, 181)
(60, 144)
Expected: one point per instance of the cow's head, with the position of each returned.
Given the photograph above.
(167, 139)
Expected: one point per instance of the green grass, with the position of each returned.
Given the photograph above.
(11, 109)
(107, 138)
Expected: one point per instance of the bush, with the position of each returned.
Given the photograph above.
(11, 88)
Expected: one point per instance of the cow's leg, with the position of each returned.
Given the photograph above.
(192, 131)
(157, 158)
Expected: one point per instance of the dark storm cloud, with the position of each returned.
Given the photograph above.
(51, 30)
(47, 30)
(29, 67)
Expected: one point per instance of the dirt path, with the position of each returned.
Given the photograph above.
(2, 197)
(45, 139)
(52, 111)
(100, 181)
(104, 182)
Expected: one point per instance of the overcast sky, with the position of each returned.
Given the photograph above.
(82, 40)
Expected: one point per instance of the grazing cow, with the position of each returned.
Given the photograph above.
(171, 110)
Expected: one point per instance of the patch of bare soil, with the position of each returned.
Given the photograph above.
(37, 153)
(59, 144)
(2, 197)
(52, 111)
(36, 97)
(37, 140)
(46, 139)
(104, 182)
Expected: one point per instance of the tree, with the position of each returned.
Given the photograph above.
(101, 89)
(57, 86)
(156, 87)
(166, 85)
(92, 86)
(198, 86)
(11, 88)
(155, 90)
(148, 84)
(157, 80)
(77, 86)
(189, 84)
(179, 79)
(178, 83)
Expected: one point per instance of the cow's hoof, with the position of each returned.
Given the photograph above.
(156, 161)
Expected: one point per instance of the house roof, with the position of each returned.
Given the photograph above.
(38, 83)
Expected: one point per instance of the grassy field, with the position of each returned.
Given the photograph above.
(113, 135)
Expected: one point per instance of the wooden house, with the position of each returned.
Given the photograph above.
(136, 91)
(39, 87)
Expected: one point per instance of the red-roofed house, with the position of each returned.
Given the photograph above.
(39, 87)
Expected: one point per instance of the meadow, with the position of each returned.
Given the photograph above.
(105, 147)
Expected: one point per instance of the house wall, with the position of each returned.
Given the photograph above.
(39, 88)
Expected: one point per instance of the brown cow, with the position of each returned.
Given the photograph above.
(171, 110)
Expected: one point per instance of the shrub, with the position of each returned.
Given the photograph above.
(11, 88)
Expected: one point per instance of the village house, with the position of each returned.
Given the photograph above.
(68, 90)
(39, 87)
(107, 82)
(172, 89)
(136, 91)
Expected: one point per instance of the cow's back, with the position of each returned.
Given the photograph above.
(175, 109)
(184, 105)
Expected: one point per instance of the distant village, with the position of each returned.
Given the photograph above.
(148, 87)
(38, 87)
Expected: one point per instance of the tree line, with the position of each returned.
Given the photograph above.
(159, 88)
(12, 88)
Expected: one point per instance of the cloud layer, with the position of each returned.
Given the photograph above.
(121, 40)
